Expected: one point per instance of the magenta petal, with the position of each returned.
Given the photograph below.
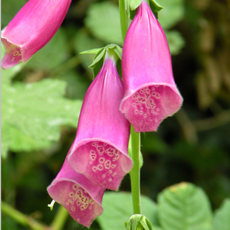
(151, 94)
(77, 194)
(32, 27)
(100, 150)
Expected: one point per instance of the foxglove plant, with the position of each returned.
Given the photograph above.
(151, 94)
(98, 158)
(32, 27)
(77, 194)
(100, 149)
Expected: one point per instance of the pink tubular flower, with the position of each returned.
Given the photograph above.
(151, 94)
(77, 194)
(32, 27)
(100, 150)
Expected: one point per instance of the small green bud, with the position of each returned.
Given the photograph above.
(138, 222)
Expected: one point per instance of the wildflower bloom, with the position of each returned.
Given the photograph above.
(32, 27)
(100, 150)
(151, 94)
(77, 194)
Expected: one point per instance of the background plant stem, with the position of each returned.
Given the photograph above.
(57, 223)
(60, 218)
(21, 218)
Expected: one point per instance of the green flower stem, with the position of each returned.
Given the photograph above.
(135, 137)
(123, 18)
(135, 172)
(60, 218)
(21, 218)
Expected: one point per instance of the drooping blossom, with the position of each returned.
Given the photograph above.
(31, 28)
(100, 150)
(151, 94)
(77, 194)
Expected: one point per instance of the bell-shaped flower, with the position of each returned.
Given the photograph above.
(151, 94)
(77, 194)
(100, 150)
(31, 28)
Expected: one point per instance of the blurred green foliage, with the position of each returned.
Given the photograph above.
(193, 145)
(115, 215)
(180, 207)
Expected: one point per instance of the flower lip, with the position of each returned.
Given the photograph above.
(13, 54)
(100, 161)
(76, 199)
(59, 180)
(77, 194)
(156, 84)
(149, 104)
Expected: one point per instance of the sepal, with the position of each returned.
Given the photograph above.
(132, 6)
(100, 54)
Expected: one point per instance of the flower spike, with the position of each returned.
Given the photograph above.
(151, 94)
(31, 29)
(100, 150)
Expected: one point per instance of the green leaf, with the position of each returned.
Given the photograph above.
(221, 219)
(175, 41)
(22, 142)
(184, 207)
(5, 140)
(173, 12)
(54, 53)
(118, 209)
(103, 20)
(32, 114)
